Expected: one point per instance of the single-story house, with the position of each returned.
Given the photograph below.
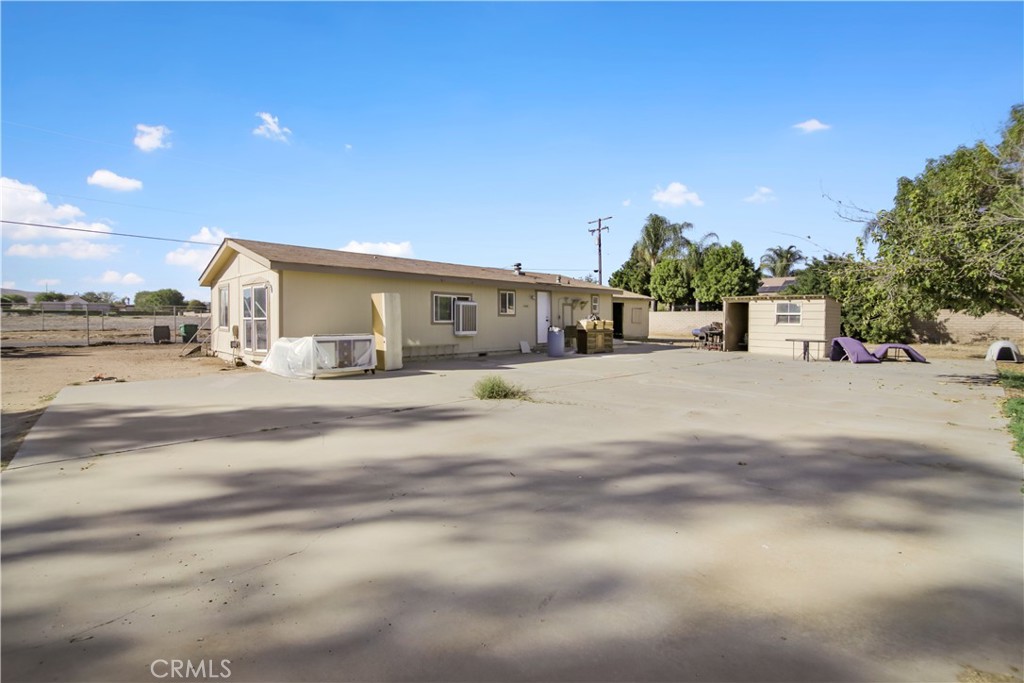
(262, 291)
(74, 303)
(769, 324)
(631, 315)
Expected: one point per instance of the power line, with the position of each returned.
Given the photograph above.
(102, 201)
(103, 232)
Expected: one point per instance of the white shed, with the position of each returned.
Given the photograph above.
(779, 325)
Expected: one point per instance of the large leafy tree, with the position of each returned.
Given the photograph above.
(781, 261)
(726, 272)
(161, 298)
(99, 297)
(955, 235)
(670, 282)
(633, 276)
(50, 296)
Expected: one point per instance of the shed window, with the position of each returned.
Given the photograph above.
(254, 317)
(224, 306)
(787, 313)
(506, 302)
(444, 306)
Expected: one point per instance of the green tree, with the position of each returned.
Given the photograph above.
(99, 297)
(726, 272)
(633, 276)
(151, 301)
(780, 261)
(955, 235)
(660, 238)
(670, 282)
(15, 299)
(50, 296)
(195, 305)
(696, 250)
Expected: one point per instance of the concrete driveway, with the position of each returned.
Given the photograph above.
(657, 514)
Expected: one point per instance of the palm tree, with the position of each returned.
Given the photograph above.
(780, 261)
(660, 239)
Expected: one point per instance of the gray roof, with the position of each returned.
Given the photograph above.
(289, 257)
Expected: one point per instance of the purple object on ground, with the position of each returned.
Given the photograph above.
(844, 348)
(880, 352)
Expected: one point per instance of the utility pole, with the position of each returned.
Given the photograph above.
(598, 229)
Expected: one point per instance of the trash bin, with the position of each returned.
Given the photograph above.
(556, 342)
(161, 333)
(188, 332)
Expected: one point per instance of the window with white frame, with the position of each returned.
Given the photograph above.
(787, 313)
(506, 302)
(255, 302)
(595, 305)
(224, 306)
(444, 306)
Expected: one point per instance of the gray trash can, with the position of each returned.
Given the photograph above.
(556, 342)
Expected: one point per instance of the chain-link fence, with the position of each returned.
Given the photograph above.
(42, 325)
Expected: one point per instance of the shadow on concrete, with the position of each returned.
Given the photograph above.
(509, 597)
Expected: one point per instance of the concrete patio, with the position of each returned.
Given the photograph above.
(656, 514)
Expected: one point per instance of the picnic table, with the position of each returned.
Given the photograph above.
(805, 352)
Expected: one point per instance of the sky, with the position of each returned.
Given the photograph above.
(478, 133)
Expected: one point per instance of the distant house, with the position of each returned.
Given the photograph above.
(74, 303)
(263, 291)
(773, 285)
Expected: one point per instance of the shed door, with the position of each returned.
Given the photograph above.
(543, 316)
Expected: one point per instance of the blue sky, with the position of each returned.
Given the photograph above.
(478, 133)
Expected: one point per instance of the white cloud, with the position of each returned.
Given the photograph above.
(348, 147)
(627, 202)
(194, 256)
(676, 194)
(112, 181)
(403, 249)
(79, 250)
(112, 277)
(148, 138)
(761, 195)
(811, 126)
(270, 128)
(28, 204)
(8, 284)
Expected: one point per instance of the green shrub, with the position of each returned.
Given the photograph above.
(1011, 379)
(1014, 409)
(494, 387)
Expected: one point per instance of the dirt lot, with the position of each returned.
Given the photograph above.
(32, 377)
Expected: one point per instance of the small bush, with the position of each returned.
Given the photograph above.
(1014, 409)
(494, 387)
(1011, 379)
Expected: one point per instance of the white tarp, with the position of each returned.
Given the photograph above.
(291, 357)
(1004, 350)
(309, 357)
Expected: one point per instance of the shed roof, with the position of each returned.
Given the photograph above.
(289, 257)
(626, 294)
(777, 297)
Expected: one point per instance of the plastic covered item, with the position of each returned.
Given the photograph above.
(311, 357)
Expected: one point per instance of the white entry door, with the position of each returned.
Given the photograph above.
(543, 316)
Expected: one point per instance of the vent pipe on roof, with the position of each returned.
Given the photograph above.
(518, 267)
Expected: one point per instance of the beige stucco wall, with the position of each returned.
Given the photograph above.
(819, 320)
(641, 309)
(680, 324)
(242, 271)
